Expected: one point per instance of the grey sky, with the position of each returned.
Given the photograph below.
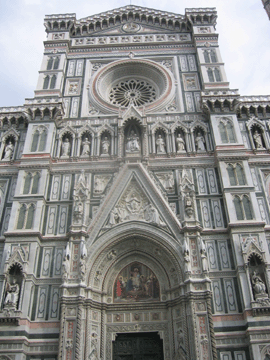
(243, 26)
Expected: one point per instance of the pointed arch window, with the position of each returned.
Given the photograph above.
(31, 183)
(226, 131)
(53, 63)
(26, 216)
(236, 174)
(214, 74)
(210, 56)
(243, 207)
(49, 82)
(39, 140)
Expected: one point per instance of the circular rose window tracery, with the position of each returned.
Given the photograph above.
(132, 92)
(132, 82)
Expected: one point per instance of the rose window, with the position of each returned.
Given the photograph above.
(132, 92)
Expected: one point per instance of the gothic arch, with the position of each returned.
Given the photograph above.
(134, 242)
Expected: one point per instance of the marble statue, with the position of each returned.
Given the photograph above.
(86, 147)
(12, 295)
(133, 144)
(105, 146)
(199, 141)
(160, 145)
(258, 140)
(258, 284)
(8, 151)
(180, 143)
(66, 147)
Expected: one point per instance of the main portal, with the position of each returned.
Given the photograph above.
(138, 346)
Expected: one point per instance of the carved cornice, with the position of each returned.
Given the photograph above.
(219, 100)
(202, 16)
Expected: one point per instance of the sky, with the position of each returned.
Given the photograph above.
(243, 27)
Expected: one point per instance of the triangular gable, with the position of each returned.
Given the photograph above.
(133, 197)
(133, 12)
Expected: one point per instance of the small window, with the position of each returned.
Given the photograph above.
(46, 82)
(21, 217)
(213, 56)
(43, 139)
(56, 63)
(206, 56)
(210, 75)
(27, 183)
(35, 141)
(30, 217)
(50, 63)
(217, 74)
(53, 82)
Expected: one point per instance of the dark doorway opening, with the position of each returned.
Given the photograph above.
(138, 346)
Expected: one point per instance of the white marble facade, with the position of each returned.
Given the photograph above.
(134, 196)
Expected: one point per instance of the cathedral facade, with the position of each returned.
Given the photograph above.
(135, 191)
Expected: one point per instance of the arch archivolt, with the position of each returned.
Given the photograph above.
(157, 255)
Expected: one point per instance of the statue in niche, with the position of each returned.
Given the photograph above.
(200, 142)
(180, 143)
(258, 284)
(99, 185)
(9, 148)
(66, 147)
(258, 140)
(133, 144)
(160, 145)
(86, 147)
(105, 146)
(12, 294)
(203, 256)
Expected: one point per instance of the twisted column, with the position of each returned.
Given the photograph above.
(78, 346)
(211, 327)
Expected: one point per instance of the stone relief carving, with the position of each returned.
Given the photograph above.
(94, 347)
(100, 183)
(167, 181)
(134, 206)
(81, 194)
